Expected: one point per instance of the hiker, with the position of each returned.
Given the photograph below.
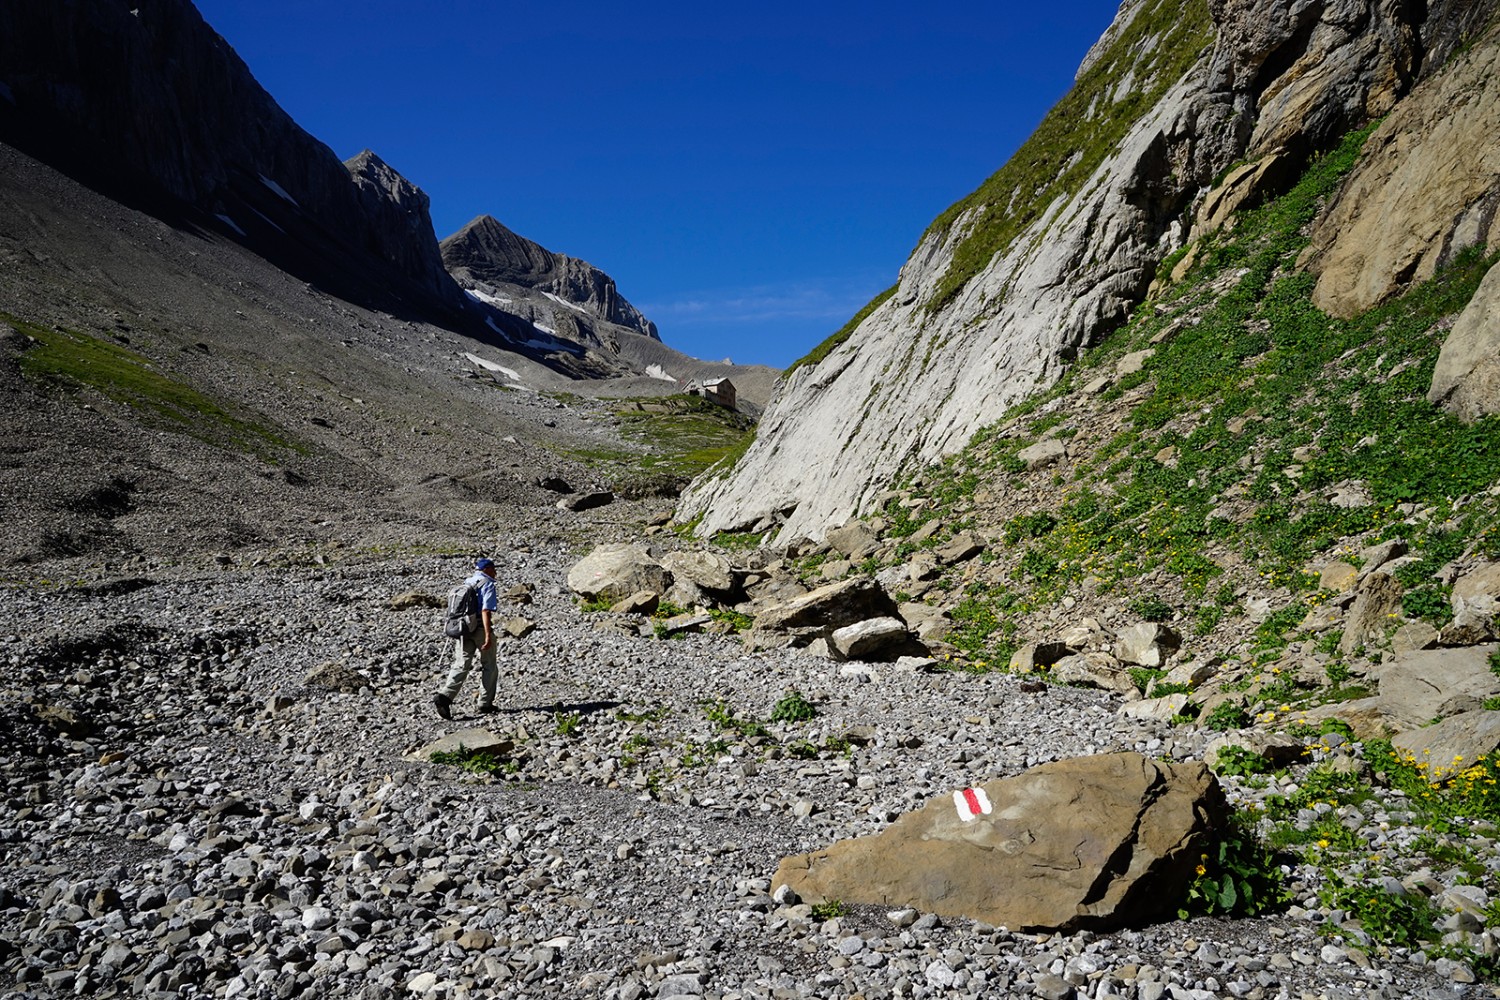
(478, 637)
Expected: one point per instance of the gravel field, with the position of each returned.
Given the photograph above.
(188, 815)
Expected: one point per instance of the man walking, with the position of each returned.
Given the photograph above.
(481, 640)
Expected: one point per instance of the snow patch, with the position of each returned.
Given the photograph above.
(278, 189)
(489, 300)
(230, 223)
(544, 328)
(491, 366)
(658, 372)
(553, 345)
(564, 302)
(489, 321)
(268, 221)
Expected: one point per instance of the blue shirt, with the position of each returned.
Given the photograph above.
(488, 601)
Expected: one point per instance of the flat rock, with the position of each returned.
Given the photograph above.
(871, 639)
(476, 740)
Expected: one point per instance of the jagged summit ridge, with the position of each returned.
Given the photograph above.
(485, 251)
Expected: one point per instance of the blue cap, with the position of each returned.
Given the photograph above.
(484, 562)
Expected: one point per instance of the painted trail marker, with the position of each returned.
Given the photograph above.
(971, 802)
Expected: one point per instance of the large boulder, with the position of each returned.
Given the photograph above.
(1147, 644)
(1093, 842)
(710, 571)
(1453, 744)
(1436, 683)
(1378, 597)
(1095, 670)
(615, 571)
(874, 639)
(855, 540)
(818, 613)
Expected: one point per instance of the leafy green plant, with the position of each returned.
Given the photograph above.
(1429, 603)
(1240, 761)
(739, 540)
(649, 715)
(1401, 920)
(734, 621)
(1226, 715)
(595, 605)
(1337, 672)
(1237, 876)
(567, 723)
(473, 761)
(722, 714)
(1441, 791)
(802, 750)
(793, 707)
(828, 910)
(1151, 608)
(1144, 677)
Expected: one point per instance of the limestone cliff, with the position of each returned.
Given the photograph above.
(1055, 249)
(148, 104)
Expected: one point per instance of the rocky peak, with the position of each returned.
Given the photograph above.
(486, 251)
(401, 224)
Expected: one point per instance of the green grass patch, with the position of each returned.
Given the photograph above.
(1162, 42)
(842, 334)
(71, 361)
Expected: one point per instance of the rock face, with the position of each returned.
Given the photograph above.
(402, 228)
(1466, 379)
(1427, 187)
(977, 320)
(151, 90)
(485, 251)
(1091, 842)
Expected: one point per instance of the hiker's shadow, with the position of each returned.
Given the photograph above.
(561, 708)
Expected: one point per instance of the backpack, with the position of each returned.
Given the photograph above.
(462, 616)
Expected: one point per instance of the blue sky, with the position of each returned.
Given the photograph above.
(749, 176)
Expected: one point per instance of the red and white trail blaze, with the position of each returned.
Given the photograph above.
(971, 802)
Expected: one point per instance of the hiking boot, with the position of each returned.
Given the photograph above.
(443, 704)
(488, 708)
